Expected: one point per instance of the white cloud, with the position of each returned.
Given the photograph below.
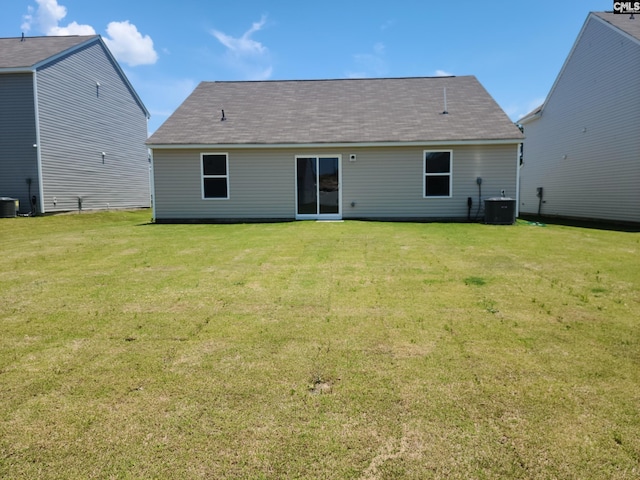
(516, 112)
(46, 19)
(129, 46)
(244, 45)
(27, 20)
(72, 29)
(370, 64)
(443, 73)
(245, 55)
(388, 24)
(260, 74)
(126, 43)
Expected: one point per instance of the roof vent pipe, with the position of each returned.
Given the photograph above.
(223, 117)
(22, 38)
(445, 112)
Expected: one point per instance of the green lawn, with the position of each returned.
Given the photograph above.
(317, 350)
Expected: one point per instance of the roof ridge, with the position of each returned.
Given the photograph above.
(26, 37)
(338, 79)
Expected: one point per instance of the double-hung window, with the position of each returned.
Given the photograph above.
(215, 175)
(437, 170)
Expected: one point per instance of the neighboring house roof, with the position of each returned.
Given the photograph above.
(27, 52)
(385, 110)
(627, 25)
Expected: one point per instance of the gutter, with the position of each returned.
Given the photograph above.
(17, 70)
(530, 118)
(437, 143)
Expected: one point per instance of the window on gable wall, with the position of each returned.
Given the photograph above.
(438, 168)
(215, 175)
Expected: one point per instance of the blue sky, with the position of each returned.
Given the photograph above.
(514, 48)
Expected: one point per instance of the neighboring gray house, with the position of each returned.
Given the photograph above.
(72, 129)
(388, 149)
(582, 146)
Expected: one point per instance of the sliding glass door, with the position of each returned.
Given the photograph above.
(318, 187)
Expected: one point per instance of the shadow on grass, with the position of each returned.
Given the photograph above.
(583, 223)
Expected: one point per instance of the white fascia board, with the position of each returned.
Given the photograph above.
(64, 52)
(530, 118)
(566, 61)
(230, 146)
(17, 70)
(98, 38)
(617, 29)
(595, 18)
(125, 78)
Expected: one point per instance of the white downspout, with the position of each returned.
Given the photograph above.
(518, 166)
(153, 187)
(38, 146)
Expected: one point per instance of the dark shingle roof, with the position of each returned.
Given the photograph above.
(18, 53)
(625, 23)
(337, 111)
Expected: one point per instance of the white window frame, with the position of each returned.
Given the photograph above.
(203, 176)
(439, 174)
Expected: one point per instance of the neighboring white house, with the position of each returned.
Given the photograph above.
(388, 149)
(582, 146)
(72, 128)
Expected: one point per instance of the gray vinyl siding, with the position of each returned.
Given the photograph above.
(383, 183)
(261, 185)
(388, 182)
(18, 157)
(593, 117)
(78, 121)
